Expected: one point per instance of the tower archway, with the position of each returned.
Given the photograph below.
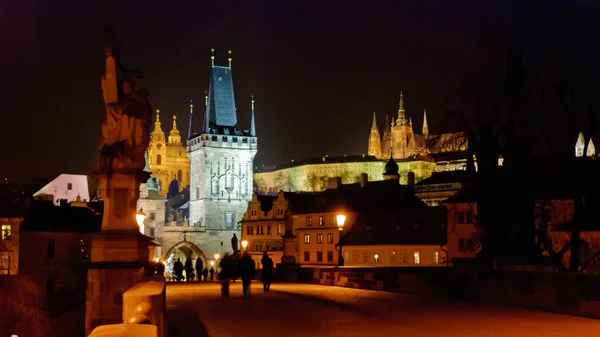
(184, 250)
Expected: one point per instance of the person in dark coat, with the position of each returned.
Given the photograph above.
(212, 273)
(246, 270)
(189, 270)
(226, 274)
(205, 274)
(267, 271)
(199, 267)
(178, 269)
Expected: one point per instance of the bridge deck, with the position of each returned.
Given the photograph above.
(196, 309)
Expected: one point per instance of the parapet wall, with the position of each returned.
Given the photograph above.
(566, 293)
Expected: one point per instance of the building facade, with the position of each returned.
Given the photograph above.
(9, 245)
(167, 157)
(221, 168)
(64, 189)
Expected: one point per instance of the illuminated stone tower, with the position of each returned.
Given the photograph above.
(221, 168)
(374, 140)
(425, 127)
(157, 154)
(401, 131)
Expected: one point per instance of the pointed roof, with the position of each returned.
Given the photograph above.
(221, 110)
(374, 125)
(157, 127)
(387, 125)
(401, 111)
(190, 125)
(252, 123)
(425, 126)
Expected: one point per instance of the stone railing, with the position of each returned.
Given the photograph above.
(566, 293)
(144, 308)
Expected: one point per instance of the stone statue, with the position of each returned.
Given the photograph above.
(126, 130)
(234, 244)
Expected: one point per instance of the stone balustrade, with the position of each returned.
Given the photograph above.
(144, 307)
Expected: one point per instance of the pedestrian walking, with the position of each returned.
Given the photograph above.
(246, 271)
(226, 274)
(267, 272)
(212, 273)
(178, 269)
(205, 274)
(199, 268)
(189, 270)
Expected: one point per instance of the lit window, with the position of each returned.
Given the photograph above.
(321, 221)
(393, 256)
(319, 238)
(376, 256)
(402, 256)
(6, 232)
(329, 237)
(436, 257)
(319, 256)
(229, 219)
(308, 221)
(259, 230)
(306, 238)
(279, 229)
(417, 255)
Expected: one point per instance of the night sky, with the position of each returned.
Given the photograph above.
(318, 69)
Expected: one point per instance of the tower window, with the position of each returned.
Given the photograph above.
(229, 219)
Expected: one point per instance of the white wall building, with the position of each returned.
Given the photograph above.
(65, 187)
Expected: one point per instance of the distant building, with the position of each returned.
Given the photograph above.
(9, 245)
(167, 157)
(64, 189)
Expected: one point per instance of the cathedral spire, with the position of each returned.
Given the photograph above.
(174, 136)
(374, 140)
(190, 126)
(157, 135)
(252, 123)
(374, 125)
(401, 112)
(425, 127)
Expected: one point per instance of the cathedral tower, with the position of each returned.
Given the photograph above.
(425, 126)
(374, 140)
(401, 132)
(221, 169)
(387, 139)
(157, 153)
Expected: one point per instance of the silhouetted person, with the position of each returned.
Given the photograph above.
(212, 273)
(246, 270)
(199, 268)
(267, 271)
(226, 274)
(189, 270)
(178, 269)
(205, 274)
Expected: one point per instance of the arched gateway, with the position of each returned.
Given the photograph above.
(183, 250)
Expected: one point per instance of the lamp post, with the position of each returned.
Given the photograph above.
(341, 218)
(244, 245)
(139, 217)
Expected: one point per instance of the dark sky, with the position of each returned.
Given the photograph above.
(318, 69)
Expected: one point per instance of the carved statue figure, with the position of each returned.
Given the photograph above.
(126, 130)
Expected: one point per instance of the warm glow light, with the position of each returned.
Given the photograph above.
(376, 257)
(341, 218)
(165, 263)
(139, 217)
(216, 256)
(244, 244)
(156, 259)
(212, 263)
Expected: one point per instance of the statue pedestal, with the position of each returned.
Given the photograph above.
(289, 249)
(119, 252)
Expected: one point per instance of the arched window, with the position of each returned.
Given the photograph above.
(158, 159)
(179, 175)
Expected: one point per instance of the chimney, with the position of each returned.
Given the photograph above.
(364, 179)
(334, 182)
(411, 179)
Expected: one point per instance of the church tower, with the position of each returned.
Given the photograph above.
(221, 169)
(157, 154)
(174, 136)
(387, 139)
(374, 140)
(401, 132)
(425, 126)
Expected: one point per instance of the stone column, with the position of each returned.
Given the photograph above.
(119, 252)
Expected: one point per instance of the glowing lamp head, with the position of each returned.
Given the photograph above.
(139, 217)
(341, 218)
(244, 244)
(212, 263)
(156, 259)
(217, 256)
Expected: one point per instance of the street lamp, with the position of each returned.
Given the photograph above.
(216, 256)
(139, 217)
(244, 245)
(341, 218)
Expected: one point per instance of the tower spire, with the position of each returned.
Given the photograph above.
(174, 136)
(374, 140)
(401, 112)
(206, 120)
(190, 126)
(212, 57)
(425, 127)
(229, 59)
(252, 123)
(157, 127)
(374, 125)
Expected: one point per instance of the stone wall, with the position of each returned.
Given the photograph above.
(574, 294)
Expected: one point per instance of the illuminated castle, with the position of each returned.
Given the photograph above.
(400, 140)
